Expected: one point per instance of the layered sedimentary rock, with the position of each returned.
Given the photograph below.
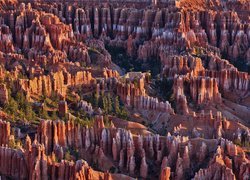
(120, 143)
(86, 107)
(165, 174)
(5, 4)
(57, 82)
(32, 163)
(150, 103)
(213, 125)
(130, 86)
(41, 32)
(157, 26)
(231, 79)
(128, 92)
(221, 164)
(179, 94)
(99, 54)
(7, 40)
(63, 108)
(108, 73)
(181, 65)
(164, 41)
(132, 25)
(202, 89)
(228, 38)
(220, 71)
(5, 132)
(2, 73)
(148, 33)
(173, 153)
(59, 48)
(4, 95)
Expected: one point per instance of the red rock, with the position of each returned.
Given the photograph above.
(4, 95)
(50, 50)
(5, 132)
(63, 108)
(165, 174)
(143, 168)
(204, 89)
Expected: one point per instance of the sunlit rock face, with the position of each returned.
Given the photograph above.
(156, 28)
(111, 145)
(133, 89)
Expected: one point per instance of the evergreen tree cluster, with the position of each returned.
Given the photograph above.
(110, 105)
(19, 108)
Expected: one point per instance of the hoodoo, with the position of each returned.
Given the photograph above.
(125, 89)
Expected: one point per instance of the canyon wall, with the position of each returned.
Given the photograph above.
(56, 82)
(112, 145)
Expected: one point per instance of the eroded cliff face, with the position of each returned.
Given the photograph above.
(113, 147)
(166, 32)
(6, 4)
(57, 82)
(152, 32)
(31, 162)
(5, 132)
(3, 94)
(55, 55)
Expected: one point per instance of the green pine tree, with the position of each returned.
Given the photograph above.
(43, 114)
(21, 100)
(54, 115)
(12, 107)
(117, 105)
(96, 100)
(105, 104)
(109, 103)
(29, 113)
